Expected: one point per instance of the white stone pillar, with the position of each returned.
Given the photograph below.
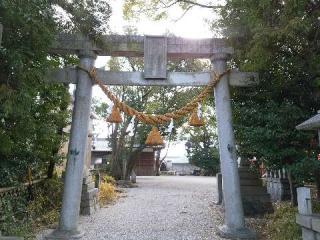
(68, 225)
(234, 226)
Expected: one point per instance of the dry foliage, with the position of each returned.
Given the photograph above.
(107, 191)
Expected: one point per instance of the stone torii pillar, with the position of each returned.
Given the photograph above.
(156, 51)
(234, 226)
(69, 216)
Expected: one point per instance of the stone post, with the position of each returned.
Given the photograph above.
(133, 176)
(305, 212)
(219, 188)
(234, 226)
(68, 225)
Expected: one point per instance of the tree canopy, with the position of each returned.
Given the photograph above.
(33, 113)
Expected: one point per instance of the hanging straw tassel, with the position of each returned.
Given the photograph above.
(195, 121)
(154, 138)
(115, 116)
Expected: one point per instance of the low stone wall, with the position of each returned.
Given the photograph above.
(278, 185)
(255, 199)
(309, 222)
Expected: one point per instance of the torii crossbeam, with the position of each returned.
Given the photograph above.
(155, 50)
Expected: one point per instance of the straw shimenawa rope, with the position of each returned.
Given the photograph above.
(160, 118)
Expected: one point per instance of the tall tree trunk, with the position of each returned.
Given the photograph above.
(118, 164)
(115, 171)
(132, 156)
(292, 189)
(317, 182)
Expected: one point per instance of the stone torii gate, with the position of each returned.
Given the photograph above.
(155, 50)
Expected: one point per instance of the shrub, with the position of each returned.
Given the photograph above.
(282, 225)
(107, 191)
(23, 214)
(109, 179)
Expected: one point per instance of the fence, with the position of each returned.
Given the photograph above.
(13, 201)
(278, 185)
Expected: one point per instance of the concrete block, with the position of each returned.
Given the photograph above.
(315, 222)
(304, 200)
(317, 236)
(304, 220)
(308, 234)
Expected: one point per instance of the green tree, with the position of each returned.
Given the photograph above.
(202, 142)
(157, 100)
(280, 41)
(158, 9)
(33, 112)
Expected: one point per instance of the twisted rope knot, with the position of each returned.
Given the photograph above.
(159, 118)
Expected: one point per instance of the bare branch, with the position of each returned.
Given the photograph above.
(200, 4)
(184, 13)
(170, 4)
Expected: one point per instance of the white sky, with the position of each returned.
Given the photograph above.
(192, 25)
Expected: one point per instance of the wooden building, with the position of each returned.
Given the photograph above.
(145, 163)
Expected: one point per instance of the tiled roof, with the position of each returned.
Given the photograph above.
(310, 124)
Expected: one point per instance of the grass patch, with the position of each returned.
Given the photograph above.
(281, 224)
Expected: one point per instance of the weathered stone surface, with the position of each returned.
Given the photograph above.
(87, 179)
(133, 46)
(89, 196)
(315, 222)
(308, 234)
(69, 75)
(304, 220)
(88, 210)
(252, 190)
(87, 187)
(256, 200)
(251, 182)
(278, 188)
(65, 235)
(155, 57)
(304, 200)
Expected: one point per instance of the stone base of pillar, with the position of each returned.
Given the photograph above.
(65, 235)
(231, 233)
(89, 196)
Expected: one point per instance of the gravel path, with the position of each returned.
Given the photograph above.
(160, 208)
